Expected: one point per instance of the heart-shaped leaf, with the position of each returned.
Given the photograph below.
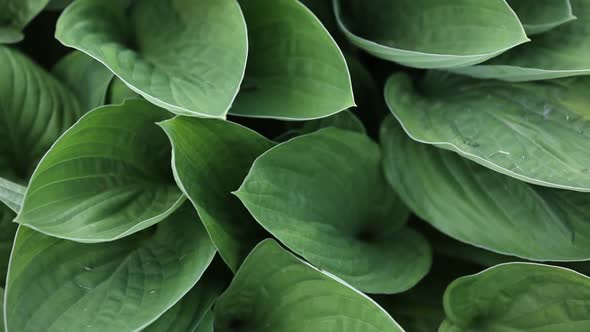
(14, 16)
(275, 291)
(295, 69)
(187, 56)
(518, 297)
(430, 33)
(324, 196)
(535, 132)
(210, 159)
(542, 15)
(560, 52)
(482, 207)
(61, 285)
(107, 177)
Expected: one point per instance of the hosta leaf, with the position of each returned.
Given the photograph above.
(107, 177)
(206, 324)
(295, 69)
(11, 194)
(7, 231)
(88, 78)
(275, 291)
(118, 92)
(518, 297)
(61, 285)
(542, 15)
(344, 120)
(210, 159)
(34, 110)
(536, 132)
(187, 56)
(482, 207)
(14, 16)
(560, 52)
(430, 33)
(324, 196)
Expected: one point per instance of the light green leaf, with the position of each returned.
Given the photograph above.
(107, 177)
(324, 196)
(535, 132)
(119, 92)
(210, 159)
(61, 285)
(295, 69)
(542, 15)
(86, 77)
(11, 194)
(430, 33)
(275, 291)
(482, 207)
(14, 16)
(560, 52)
(518, 297)
(187, 56)
(35, 109)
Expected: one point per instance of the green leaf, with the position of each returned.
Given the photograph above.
(107, 177)
(289, 295)
(35, 109)
(345, 120)
(11, 194)
(324, 196)
(206, 324)
(295, 69)
(542, 15)
(560, 52)
(58, 5)
(430, 33)
(187, 56)
(86, 77)
(535, 132)
(210, 159)
(518, 297)
(14, 16)
(482, 207)
(7, 231)
(118, 92)
(61, 285)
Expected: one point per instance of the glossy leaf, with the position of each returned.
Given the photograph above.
(210, 159)
(186, 56)
(518, 297)
(292, 296)
(324, 196)
(535, 132)
(86, 77)
(14, 16)
(542, 15)
(58, 285)
(295, 69)
(430, 33)
(107, 177)
(482, 207)
(560, 52)
(11, 194)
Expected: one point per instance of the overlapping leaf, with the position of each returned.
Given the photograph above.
(324, 196)
(186, 56)
(430, 33)
(542, 15)
(59, 285)
(14, 16)
(11, 194)
(211, 158)
(275, 291)
(482, 207)
(107, 177)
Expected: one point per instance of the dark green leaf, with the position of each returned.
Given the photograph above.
(542, 15)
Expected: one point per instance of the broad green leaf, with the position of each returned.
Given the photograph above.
(518, 297)
(14, 16)
(11, 194)
(324, 196)
(187, 56)
(560, 52)
(35, 109)
(345, 120)
(295, 69)
(211, 157)
(535, 132)
(88, 78)
(206, 324)
(542, 15)
(118, 92)
(7, 231)
(482, 207)
(430, 33)
(61, 285)
(275, 291)
(107, 177)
